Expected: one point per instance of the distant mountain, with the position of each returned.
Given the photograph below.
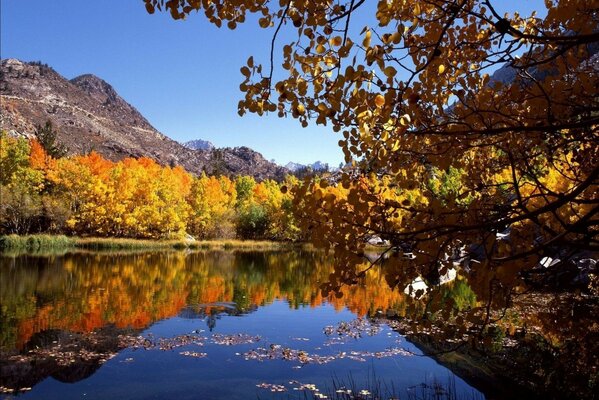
(316, 166)
(199, 144)
(89, 114)
(319, 166)
(294, 167)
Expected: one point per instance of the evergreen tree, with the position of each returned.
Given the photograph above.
(47, 137)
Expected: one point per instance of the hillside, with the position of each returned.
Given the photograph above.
(90, 115)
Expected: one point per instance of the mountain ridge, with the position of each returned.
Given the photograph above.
(89, 114)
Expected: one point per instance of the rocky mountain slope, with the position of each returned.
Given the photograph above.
(90, 115)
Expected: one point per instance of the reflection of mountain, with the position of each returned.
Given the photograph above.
(65, 356)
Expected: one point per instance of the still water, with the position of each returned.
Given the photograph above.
(204, 325)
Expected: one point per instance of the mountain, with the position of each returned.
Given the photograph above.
(199, 144)
(316, 166)
(89, 115)
(319, 166)
(294, 167)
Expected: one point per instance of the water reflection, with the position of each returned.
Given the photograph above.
(66, 315)
(81, 292)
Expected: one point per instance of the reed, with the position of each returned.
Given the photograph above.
(93, 243)
(35, 242)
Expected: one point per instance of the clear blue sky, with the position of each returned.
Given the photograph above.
(183, 76)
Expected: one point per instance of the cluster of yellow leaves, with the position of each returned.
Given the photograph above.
(212, 201)
(21, 180)
(133, 198)
(343, 216)
(265, 209)
(21, 163)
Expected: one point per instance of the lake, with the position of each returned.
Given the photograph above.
(204, 325)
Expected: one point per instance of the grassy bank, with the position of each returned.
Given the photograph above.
(35, 242)
(59, 242)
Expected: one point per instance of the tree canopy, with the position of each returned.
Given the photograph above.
(90, 195)
(498, 111)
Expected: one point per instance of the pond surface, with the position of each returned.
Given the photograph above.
(204, 325)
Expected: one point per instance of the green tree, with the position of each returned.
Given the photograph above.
(244, 186)
(20, 187)
(48, 138)
(252, 221)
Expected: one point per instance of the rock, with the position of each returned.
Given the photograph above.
(548, 262)
(417, 288)
(377, 241)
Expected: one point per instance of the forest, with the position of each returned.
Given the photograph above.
(89, 195)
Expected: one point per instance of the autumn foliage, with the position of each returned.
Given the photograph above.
(473, 128)
(138, 198)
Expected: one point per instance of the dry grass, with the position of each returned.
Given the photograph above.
(57, 242)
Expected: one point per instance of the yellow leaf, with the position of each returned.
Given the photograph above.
(367, 36)
(336, 41)
(405, 120)
(390, 72)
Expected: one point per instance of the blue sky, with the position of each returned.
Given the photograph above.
(183, 76)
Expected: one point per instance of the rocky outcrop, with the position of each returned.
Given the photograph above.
(316, 166)
(245, 161)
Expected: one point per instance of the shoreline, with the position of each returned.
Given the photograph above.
(41, 242)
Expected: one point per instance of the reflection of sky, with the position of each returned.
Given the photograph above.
(225, 375)
(183, 76)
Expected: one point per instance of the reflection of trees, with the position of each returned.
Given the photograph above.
(81, 292)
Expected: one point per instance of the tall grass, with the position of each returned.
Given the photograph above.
(122, 244)
(35, 242)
